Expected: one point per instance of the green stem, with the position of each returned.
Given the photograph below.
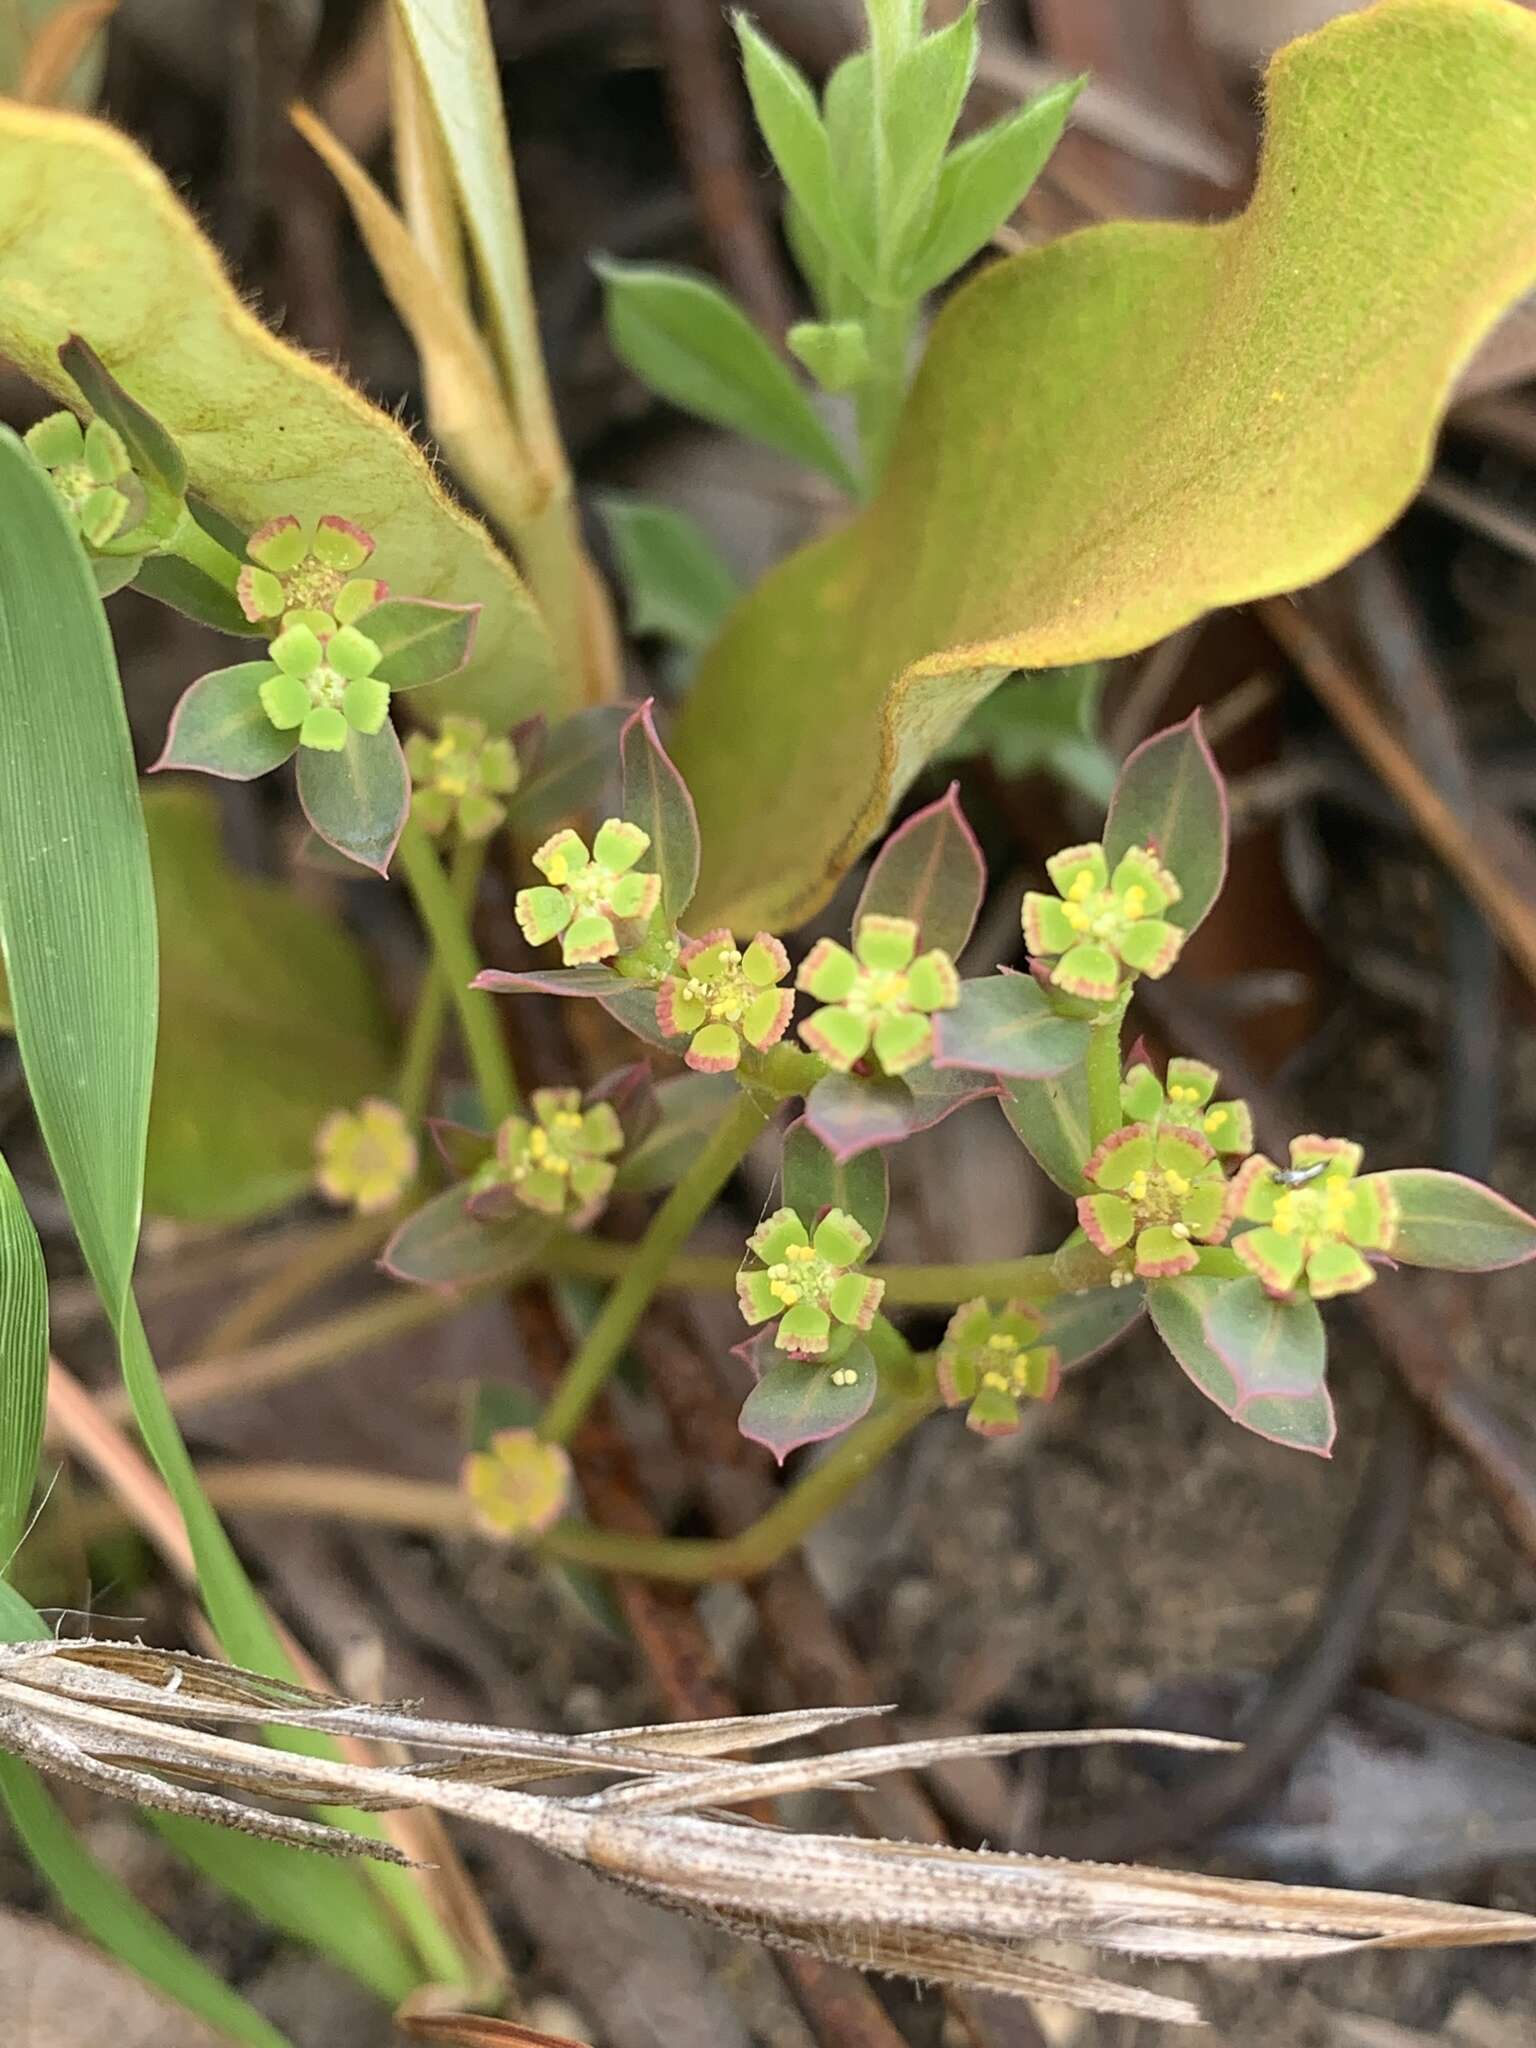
(454, 953)
(588, 1371)
(880, 398)
(1102, 1067)
(696, 1560)
(586, 1258)
(193, 545)
(424, 1043)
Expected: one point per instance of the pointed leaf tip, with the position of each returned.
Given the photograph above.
(657, 799)
(1172, 797)
(930, 870)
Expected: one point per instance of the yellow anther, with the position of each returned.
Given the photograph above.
(1076, 916)
(1182, 1092)
(1082, 887)
(538, 1144)
(1001, 1341)
(1176, 1183)
(782, 1291)
(798, 1254)
(1136, 1186)
(1134, 901)
(567, 1120)
(1285, 1218)
(996, 1381)
(845, 1376)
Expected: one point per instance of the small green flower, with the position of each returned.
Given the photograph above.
(461, 777)
(595, 904)
(994, 1359)
(518, 1485)
(810, 1282)
(879, 997)
(323, 682)
(1103, 925)
(365, 1157)
(560, 1163)
(301, 568)
(1159, 1188)
(1186, 1100)
(721, 997)
(92, 473)
(1314, 1230)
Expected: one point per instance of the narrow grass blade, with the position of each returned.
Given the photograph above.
(77, 931)
(23, 1362)
(104, 1908)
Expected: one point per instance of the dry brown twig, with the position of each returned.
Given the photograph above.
(142, 1724)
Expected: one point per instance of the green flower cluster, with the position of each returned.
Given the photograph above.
(809, 1281)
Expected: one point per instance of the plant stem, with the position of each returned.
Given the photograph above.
(342, 1493)
(586, 1258)
(695, 1560)
(588, 1371)
(418, 1068)
(453, 951)
(880, 398)
(193, 545)
(1102, 1066)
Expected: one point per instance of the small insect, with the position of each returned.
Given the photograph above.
(1298, 1176)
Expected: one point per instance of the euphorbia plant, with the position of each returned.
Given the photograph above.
(1163, 454)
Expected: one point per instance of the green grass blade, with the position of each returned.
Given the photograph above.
(77, 930)
(276, 1882)
(106, 1910)
(23, 1362)
(451, 40)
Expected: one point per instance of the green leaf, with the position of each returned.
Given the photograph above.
(849, 104)
(1046, 721)
(265, 428)
(683, 337)
(931, 871)
(77, 931)
(803, 1402)
(676, 582)
(1171, 797)
(1006, 1024)
(155, 457)
(443, 1245)
(1052, 1120)
(570, 771)
(1114, 433)
(656, 799)
(815, 1181)
(983, 183)
(1457, 1224)
(271, 1019)
(358, 799)
(274, 1880)
(110, 1913)
(420, 641)
(792, 128)
(23, 1363)
(924, 93)
(1260, 1361)
(689, 1106)
(1080, 1326)
(851, 1113)
(220, 726)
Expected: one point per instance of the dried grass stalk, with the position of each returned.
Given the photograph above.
(145, 1725)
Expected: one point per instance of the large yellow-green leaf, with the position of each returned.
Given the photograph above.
(1112, 434)
(93, 241)
(268, 1019)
